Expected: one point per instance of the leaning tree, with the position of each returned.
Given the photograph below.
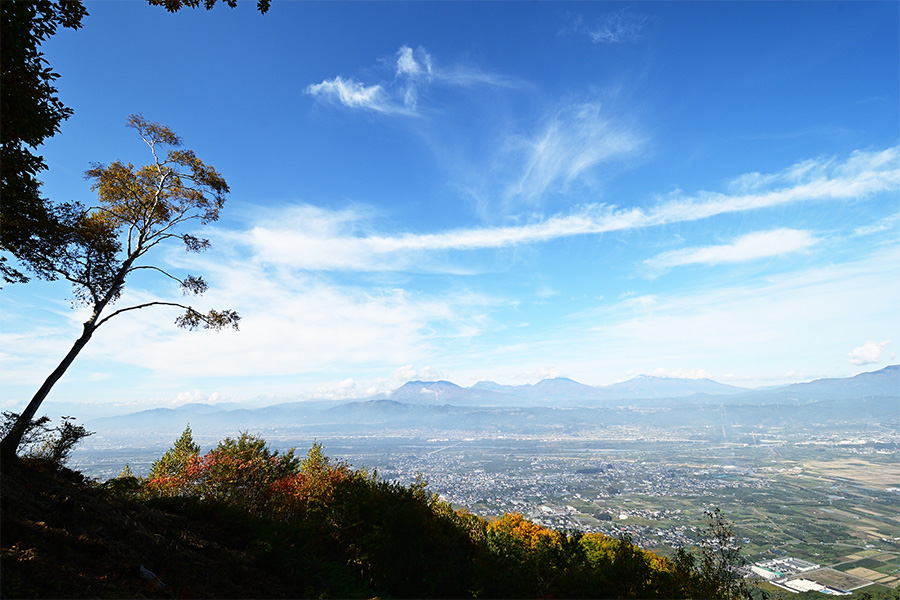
(99, 247)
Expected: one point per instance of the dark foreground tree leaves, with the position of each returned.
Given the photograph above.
(175, 5)
(53, 445)
(139, 209)
(30, 112)
(720, 557)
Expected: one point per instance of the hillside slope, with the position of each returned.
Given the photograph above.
(65, 538)
(216, 527)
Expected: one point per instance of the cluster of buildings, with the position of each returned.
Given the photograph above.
(795, 575)
(780, 567)
(550, 490)
(575, 494)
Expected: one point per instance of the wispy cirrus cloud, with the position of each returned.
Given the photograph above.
(858, 163)
(354, 94)
(752, 246)
(618, 27)
(307, 237)
(862, 174)
(568, 143)
(414, 70)
(573, 141)
(622, 26)
(885, 224)
(414, 63)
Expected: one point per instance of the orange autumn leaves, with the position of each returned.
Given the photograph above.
(244, 471)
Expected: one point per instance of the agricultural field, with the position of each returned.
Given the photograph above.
(879, 568)
(836, 579)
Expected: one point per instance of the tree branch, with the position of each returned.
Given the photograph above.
(140, 306)
(191, 319)
(152, 268)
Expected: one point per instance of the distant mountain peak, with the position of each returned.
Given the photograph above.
(651, 386)
(492, 385)
(417, 384)
(559, 380)
(563, 387)
(431, 392)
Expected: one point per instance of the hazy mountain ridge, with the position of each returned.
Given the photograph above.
(884, 382)
(562, 391)
(445, 392)
(647, 386)
(551, 405)
(558, 391)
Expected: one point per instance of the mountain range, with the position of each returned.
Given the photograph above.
(557, 404)
(561, 391)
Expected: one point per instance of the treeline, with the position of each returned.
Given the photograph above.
(328, 530)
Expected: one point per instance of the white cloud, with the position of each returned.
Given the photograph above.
(405, 373)
(416, 68)
(306, 237)
(413, 70)
(350, 388)
(536, 374)
(352, 94)
(751, 246)
(868, 354)
(44, 346)
(292, 324)
(861, 175)
(197, 396)
(410, 373)
(408, 65)
(573, 141)
(885, 224)
(679, 373)
(806, 170)
(297, 327)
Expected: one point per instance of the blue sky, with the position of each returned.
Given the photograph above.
(505, 191)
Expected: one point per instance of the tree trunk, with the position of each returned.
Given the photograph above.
(10, 444)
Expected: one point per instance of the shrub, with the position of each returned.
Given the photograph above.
(51, 444)
(175, 460)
